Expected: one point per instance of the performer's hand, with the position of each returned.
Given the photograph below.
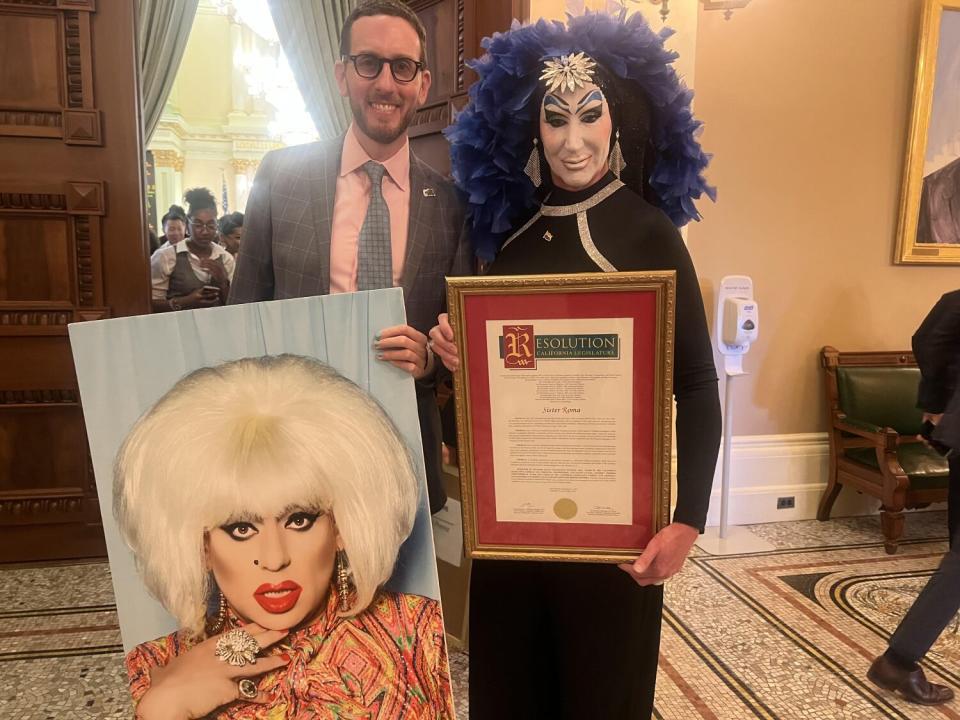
(194, 684)
(441, 337)
(933, 418)
(406, 348)
(663, 556)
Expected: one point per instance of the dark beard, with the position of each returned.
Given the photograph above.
(384, 136)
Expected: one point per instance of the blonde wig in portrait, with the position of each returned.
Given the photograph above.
(258, 436)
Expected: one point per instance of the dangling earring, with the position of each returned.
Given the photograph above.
(616, 160)
(216, 623)
(532, 168)
(345, 587)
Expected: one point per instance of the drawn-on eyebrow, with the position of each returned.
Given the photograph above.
(245, 516)
(252, 517)
(593, 95)
(554, 100)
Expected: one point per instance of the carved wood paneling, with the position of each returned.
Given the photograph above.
(81, 127)
(461, 40)
(77, 211)
(431, 115)
(17, 510)
(32, 436)
(84, 197)
(86, 272)
(55, 100)
(71, 186)
(29, 123)
(62, 396)
(33, 202)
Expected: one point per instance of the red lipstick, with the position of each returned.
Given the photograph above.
(278, 599)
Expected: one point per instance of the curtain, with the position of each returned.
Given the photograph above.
(164, 26)
(309, 33)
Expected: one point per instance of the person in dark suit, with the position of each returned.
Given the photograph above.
(362, 211)
(936, 345)
(940, 206)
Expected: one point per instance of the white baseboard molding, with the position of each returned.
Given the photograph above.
(765, 468)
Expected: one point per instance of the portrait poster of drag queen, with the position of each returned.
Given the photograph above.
(263, 500)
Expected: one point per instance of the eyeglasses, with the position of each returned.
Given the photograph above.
(403, 69)
(198, 226)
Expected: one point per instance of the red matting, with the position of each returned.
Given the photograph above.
(641, 305)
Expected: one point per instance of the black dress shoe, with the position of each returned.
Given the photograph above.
(912, 684)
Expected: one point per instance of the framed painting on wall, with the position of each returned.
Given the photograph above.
(929, 227)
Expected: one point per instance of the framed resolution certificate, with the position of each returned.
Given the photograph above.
(564, 400)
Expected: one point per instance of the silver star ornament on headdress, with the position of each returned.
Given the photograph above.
(568, 72)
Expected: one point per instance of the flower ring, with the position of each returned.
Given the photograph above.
(237, 647)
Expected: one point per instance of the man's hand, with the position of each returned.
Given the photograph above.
(441, 337)
(933, 418)
(406, 348)
(663, 556)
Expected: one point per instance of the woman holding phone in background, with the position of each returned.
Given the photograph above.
(196, 272)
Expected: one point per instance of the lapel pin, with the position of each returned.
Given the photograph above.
(548, 236)
(429, 192)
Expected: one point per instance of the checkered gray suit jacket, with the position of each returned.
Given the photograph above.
(285, 251)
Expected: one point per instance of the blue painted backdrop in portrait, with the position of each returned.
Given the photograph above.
(943, 137)
(125, 365)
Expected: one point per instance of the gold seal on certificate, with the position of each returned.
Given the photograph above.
(563, 412)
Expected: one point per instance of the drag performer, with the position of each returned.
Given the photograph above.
(265, 501)
(578, 154)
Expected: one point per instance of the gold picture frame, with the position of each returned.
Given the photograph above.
(478, 301)
(920, 240)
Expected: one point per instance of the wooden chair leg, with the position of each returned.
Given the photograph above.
(828, 498)
(832, 490)
(891, 522)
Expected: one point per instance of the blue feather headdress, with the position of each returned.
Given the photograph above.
(492, 137)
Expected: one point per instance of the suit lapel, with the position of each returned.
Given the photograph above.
(423, 211)
(323, 190)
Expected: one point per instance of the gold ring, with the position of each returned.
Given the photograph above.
(248, 688)
(237, 647)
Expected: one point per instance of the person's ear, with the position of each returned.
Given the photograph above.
(340, 75)
(425, 80)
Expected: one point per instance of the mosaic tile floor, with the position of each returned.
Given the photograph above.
(783, 634)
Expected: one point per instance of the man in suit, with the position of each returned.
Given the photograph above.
(936, 345)
(940, 206)
(362, 211)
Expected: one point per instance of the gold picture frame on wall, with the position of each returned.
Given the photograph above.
(928, 232)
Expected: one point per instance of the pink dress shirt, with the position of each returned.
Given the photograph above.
(350, 209)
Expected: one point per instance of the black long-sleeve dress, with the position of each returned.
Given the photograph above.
(568, 640)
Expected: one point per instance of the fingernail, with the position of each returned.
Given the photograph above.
(377, 336)
(379, 356)
(285, 657)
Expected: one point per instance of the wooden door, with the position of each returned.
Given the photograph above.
(72, 248)
(454, 31)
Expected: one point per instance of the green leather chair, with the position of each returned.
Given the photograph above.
(874, 421)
